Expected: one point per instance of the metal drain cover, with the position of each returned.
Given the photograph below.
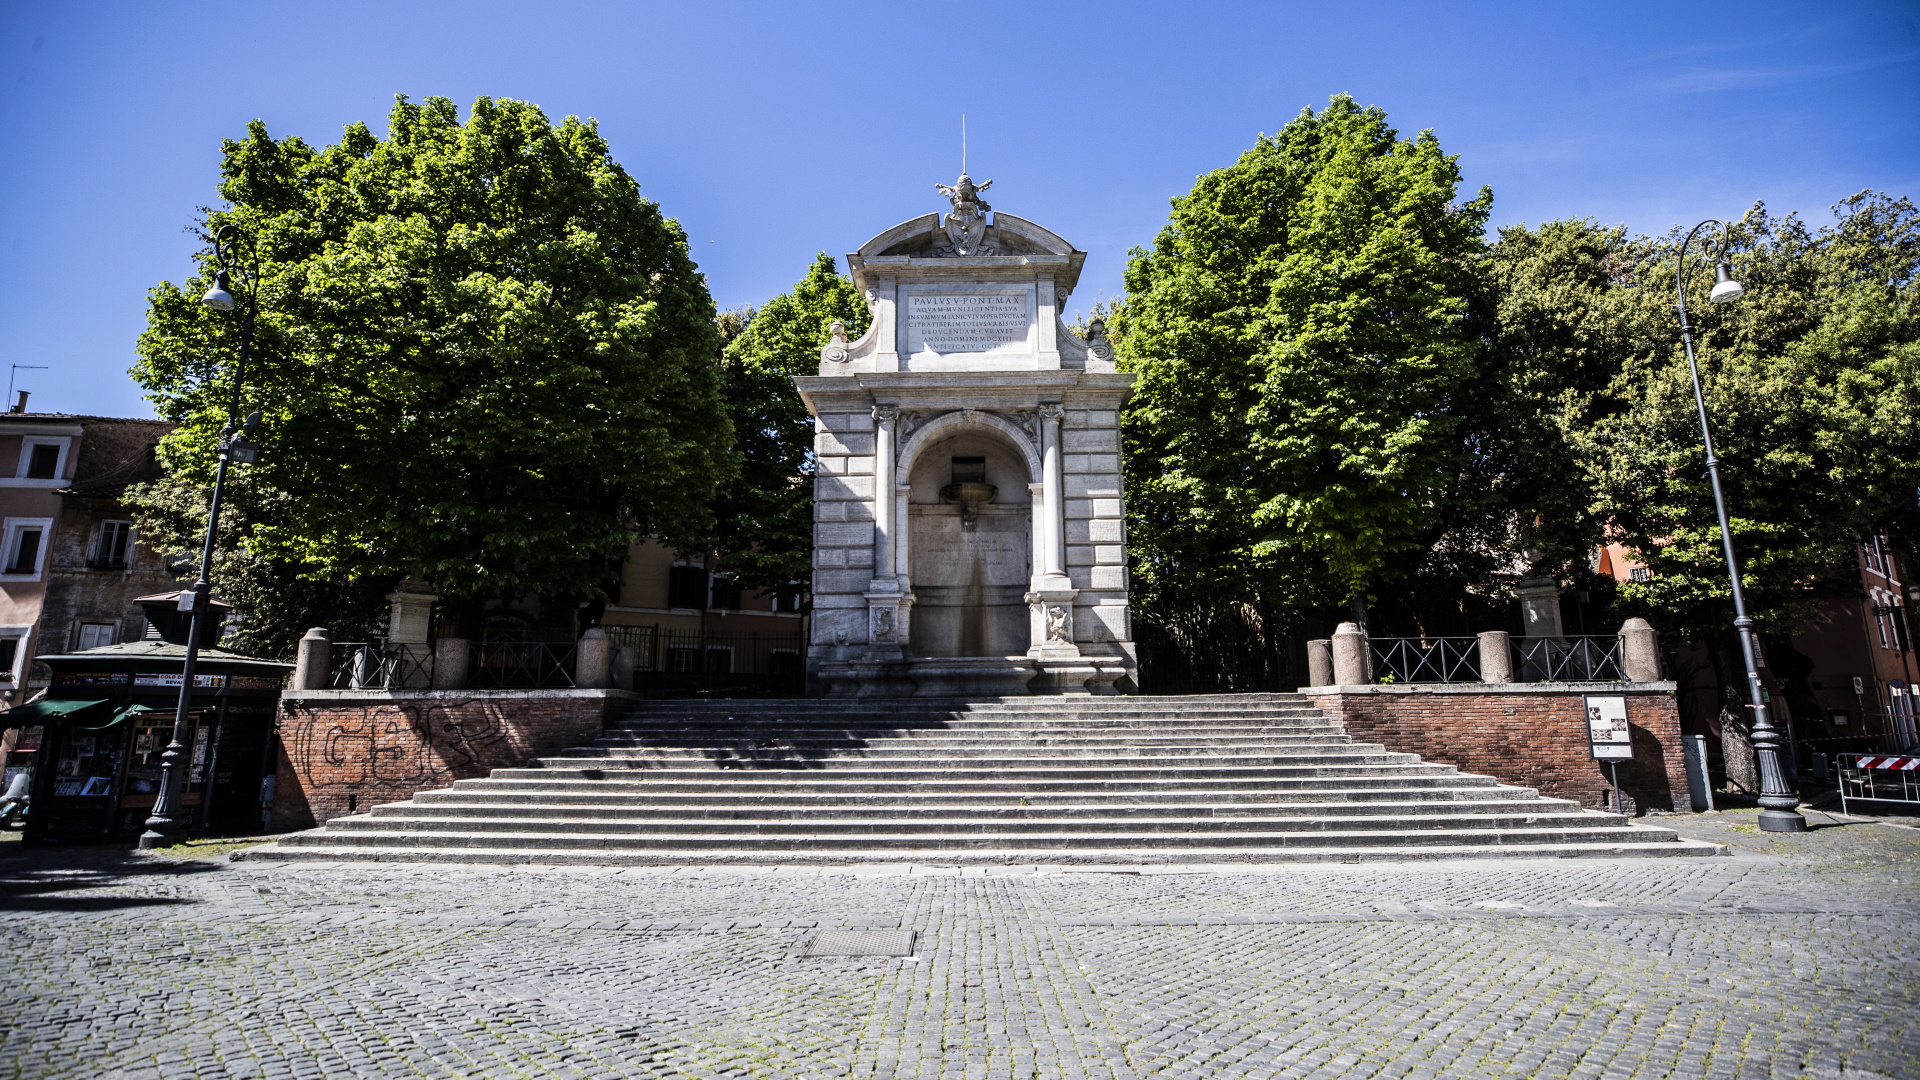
(862, 943)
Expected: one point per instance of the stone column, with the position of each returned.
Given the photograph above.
(1639, 651)
(1320, 662)
(1539, 607)
(1349, 655)
(410, 613)
(451, 658)
(593, 660)
(312, 657)
(1054, 494)
(1037, 501)
(1496, 657)
(885, 418)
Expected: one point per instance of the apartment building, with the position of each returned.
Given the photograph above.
(71, 565)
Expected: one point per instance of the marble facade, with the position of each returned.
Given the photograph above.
(968, 526)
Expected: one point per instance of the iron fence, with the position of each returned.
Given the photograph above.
(672, 660)
(522, 665)
(1594, 658)
(370, 665)
(1426, 660)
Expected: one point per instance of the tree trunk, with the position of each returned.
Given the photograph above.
(1736, 725)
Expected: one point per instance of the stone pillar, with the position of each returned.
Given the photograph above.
(1054, 496)
(1320, 662)
(593, 660)
(622, 673)
(1349, 655)
(1037, 542)
(886, 418)
(1496, 657)
(451, 658)
(410, 613)
(1639, 651)
(311, 660)
(1539, 607)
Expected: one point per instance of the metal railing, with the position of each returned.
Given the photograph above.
(1594, 658)
(522, 665)
(1426, 660)
(674, 660)
(367, 665)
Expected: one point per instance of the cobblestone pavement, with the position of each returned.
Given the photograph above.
(1796, 957)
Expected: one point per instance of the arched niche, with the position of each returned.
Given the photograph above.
(969, 560)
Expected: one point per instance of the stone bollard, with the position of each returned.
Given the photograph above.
(1349, 655)
(1639, 651)
(593, 661)
(310, 660)
(622, 667)
(1320, 662)
(451, 658)
(1496, 657)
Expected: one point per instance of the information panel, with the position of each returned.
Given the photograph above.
(1607, 729)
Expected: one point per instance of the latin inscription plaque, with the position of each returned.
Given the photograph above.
(971, 322)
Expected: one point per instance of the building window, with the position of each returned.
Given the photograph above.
(788, 599)
(1640, 573)
(113, 546)
(43, 463)
(42, 459)
(95, 636)
(726, 594)
(24, 547)
(686, 587)
(12, 652)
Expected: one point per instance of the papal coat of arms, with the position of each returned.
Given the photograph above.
(966, 223)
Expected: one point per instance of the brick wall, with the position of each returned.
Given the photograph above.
(1523, 733)
(345, 751)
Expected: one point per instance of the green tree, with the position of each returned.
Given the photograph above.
(1302, 332)
(765, 516)
(1812, 383)
(482, 357)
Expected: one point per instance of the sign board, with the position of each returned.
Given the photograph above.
(1607, 730)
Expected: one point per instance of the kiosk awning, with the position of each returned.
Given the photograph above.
(89, 713)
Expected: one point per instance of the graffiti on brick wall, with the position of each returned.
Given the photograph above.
(398, 748)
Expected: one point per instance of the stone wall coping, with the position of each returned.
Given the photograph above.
(340, 697)
(1497, 688)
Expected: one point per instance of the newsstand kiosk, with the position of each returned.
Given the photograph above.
(109, 714)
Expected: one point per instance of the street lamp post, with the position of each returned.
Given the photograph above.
(1777, 813)
(168, 820)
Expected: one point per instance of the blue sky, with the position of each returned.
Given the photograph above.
(775, 130)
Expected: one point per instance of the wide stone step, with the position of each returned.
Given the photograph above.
(943, 743)
(506, 795)
(637, 757)
(986, 770)
(743, 783)
(1123, 859)
(1215, 779)
(979, 723)
(1035, 842)
(999, 826)
(878, 818)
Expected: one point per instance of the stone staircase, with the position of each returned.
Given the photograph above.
(1038, 780)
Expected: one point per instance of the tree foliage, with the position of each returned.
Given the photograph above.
(765, 516)
(1812, 384)
(1302, 329)
(483, 358)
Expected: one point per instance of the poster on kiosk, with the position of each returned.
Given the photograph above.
(1607, 729)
